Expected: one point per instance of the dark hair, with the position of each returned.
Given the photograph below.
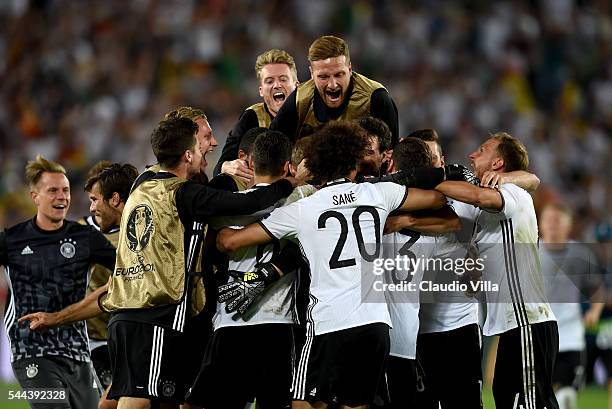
(379, 129)
(271, 150)
(512, 151)
(113, 178)
(427, 135)
(335, 150)
(246, 143)
(411, 153)
(171, 139)
(297, 154)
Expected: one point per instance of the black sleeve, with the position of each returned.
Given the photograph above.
(200, 202)
(223, 182)
(101, 250)
(247, 120)
(3, 249)
(383, 108)
(286, 120)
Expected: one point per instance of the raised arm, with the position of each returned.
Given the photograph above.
(485, 198)
(528, 181)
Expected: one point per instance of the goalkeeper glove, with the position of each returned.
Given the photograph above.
(422, 178)
(461, 173)
(246, 288)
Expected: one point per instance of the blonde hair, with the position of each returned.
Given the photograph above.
(35, 168)
(328, 47)
(185, 112)
(512, 151)
(275, 56)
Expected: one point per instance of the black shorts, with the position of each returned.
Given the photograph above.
(405, 378)
(147, 362)
(344, 367)
(101, 363)
(451, 361)
(524, 367)
(59, 372)
(245, 362)
(198, 331)
(569, 369)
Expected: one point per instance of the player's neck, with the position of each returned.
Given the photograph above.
(45, 223)
(257, 179)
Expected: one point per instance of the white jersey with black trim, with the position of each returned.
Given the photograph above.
(507, 242)
(449, 310)
(275, 307)
(336, 228)
(404, 305)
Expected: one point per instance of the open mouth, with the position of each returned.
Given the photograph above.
(334, 95)
(279, 96)
(60, 206)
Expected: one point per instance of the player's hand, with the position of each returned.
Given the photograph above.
(246, 288)
(492, 179)
(461, 173)
(239, 168)
(41, 321)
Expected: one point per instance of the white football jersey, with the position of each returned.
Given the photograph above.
(507, 244)
(404, 305)
(449, 310)
(275, 307)
(569, 273)
(337, 228)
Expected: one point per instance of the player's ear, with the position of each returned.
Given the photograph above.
(391, 168)
(260, 92)
(242, 155)
(311, 74)
(115, 200)
(286, 169)
(292, 169)
(498, 164)
(442, 162)
(34, 196)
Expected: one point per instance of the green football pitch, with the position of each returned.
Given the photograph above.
(589, 398)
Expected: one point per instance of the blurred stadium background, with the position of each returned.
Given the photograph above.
(82, 81)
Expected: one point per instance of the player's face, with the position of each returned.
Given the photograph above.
(371, 162)
(206, 141)
(437, 160)
(485, 158)
(276, 84)
(52, 196)
(555, 225)
(105, 214)
(196, 162)
(332, 77)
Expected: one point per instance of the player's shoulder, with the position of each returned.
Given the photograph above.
(514, 190)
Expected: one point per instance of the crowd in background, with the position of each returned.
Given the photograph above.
(81, 83)
(84, 81)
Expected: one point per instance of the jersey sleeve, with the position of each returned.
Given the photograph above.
(199, 202)
(247, 120)
(101, 250)
(511, 197)
(283, 222)
(383, 108)
(392, 193)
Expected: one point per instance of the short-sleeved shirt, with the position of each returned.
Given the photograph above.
(333, 227)
(47, 271)
(507, 242)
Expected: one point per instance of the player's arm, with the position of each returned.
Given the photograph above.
(528, 181)
(229, 240)
(227, 162)
(286, 119)
(485, 198)
(87, 308)
(419, 199)
(439, 221)
(383, 108)
(201, 202)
